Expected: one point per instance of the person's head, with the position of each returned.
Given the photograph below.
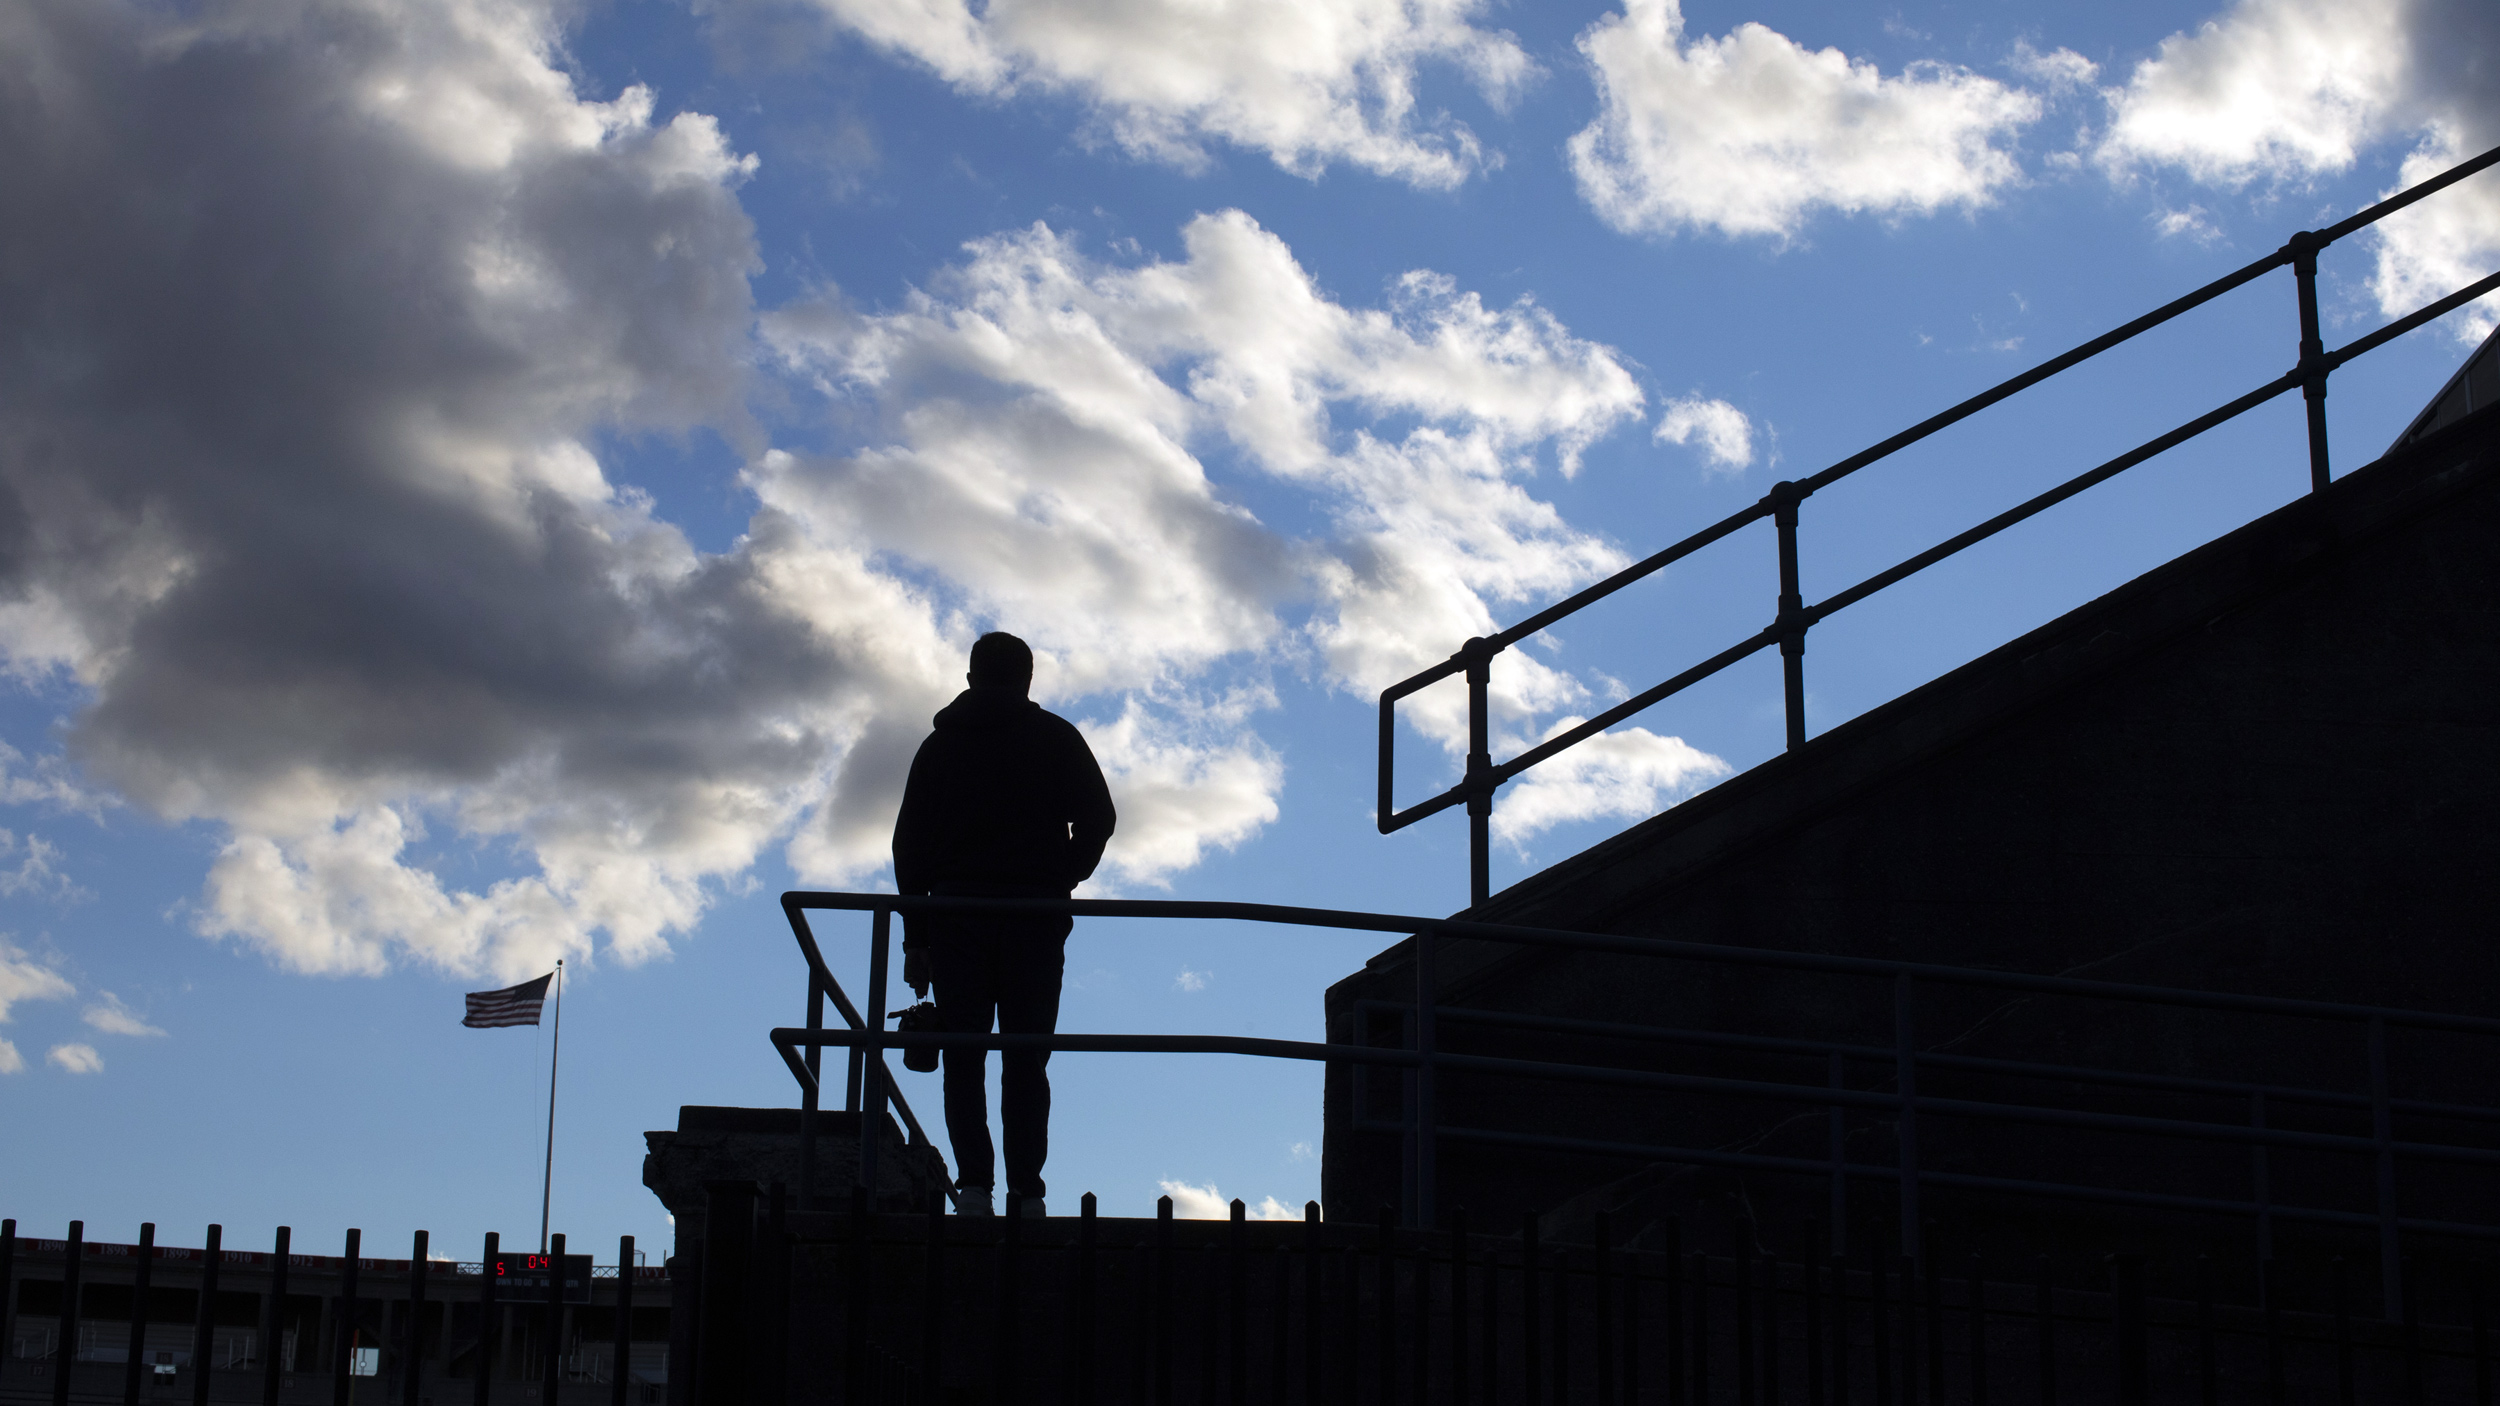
(1000, 660)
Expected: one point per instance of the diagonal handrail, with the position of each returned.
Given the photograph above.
(1788, 629)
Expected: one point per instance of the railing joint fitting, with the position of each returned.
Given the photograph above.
(1783, 499)
(1791, 625)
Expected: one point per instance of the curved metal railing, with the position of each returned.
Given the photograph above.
(1788, 628)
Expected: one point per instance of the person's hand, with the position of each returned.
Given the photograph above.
(916, 971)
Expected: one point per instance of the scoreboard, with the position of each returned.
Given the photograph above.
(523, 1277)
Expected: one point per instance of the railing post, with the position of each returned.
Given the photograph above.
(344, 1350)
(621, 1367)
(2126, 1303)
(2382, 1131)
(2261, 1175)
(1672, 1290)
(1905, 1072)
(1458, 1309)
(1388, 1307)
(1085, 1315)
(73, 1271)
(552, 1374)
(204, 1331)
(483, 1362)
(1531, 1334)
(1698, 1354)
(1008, 1315)
(2045, 1337)
(855, 1305)
(2339, 1287)
(1601, 1291)
(2208, 1368)
(2304, 246)
(933, 1298)
(1478, 654)
(2277, 1384)
(872, 1066)
(272, 1358)
(1425, 1111)
(1236, 1306)
(811, 1096)
(1163, 1302)
(1744, 1324)
(1838, 1118)
(139, 1308)
(1810, 1271)
(1785, 496)
(8, 1281)
(1978, 1314)
(1314, 1359)
(415, 1349)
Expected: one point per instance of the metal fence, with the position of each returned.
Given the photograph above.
(424, 1279)
(1787, 630)
(901, 1309)
(1896, 988)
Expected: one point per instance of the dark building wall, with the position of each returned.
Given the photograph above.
(2269, 766)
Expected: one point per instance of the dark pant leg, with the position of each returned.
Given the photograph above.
(960, 968)
(1029, 967)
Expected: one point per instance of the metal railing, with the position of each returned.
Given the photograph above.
(1788, 628)
(216, 1348)
(1423, 1059)
(1091, 1309)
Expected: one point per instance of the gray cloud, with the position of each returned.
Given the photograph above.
(317, 307)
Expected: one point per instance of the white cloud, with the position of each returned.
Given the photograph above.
(2443, 243)
(2192, 223)
(25, 977)
(1310, 83)
(2056, 69)
(312, 518)
(1059, 441)
(1629, 774)
(2282, 91)
(1723, 431)
(1194, 1202)
(10, 1060)
(2274, 88)
(38, 873)
(1192, 981)
(77, 1059)
(113, 1018)
(1753, 133)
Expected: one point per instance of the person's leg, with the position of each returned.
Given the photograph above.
(961, 970)
(1030, 966)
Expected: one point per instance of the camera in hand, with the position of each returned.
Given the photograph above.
(915, 1020)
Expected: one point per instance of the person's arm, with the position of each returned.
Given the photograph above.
(912, 825)
(1091, 817)
(911, 862)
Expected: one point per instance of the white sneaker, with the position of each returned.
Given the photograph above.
(973, 1201)
(1034, 1209)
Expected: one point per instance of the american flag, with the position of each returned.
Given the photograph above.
(513, 1005)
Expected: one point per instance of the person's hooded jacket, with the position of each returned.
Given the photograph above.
(1003, 797)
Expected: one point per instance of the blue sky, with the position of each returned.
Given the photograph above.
(489, 480)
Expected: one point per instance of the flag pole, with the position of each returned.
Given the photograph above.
(555, 1047)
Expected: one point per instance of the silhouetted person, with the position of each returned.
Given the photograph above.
(1004, 801)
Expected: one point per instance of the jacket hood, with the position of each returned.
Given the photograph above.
(981, 709)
